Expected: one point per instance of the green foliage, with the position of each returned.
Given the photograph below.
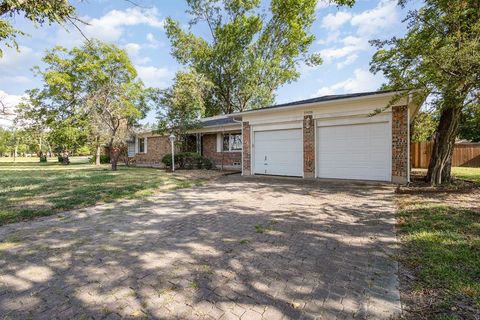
(183, 104)
(470, 123)
(84, 151)
(63, 159)
(43, 158)
(104, 159)
(37, 11)
(248, 54)
(90, 94)
(439, 56)
(424, 126)
(187, 160)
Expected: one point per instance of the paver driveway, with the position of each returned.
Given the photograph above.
(235, 248)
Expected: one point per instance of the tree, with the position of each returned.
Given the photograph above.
(439, 56)
(89, 93)
(470, 123)
(37, 11)
(424, 126)
(114, 97)
(183, 104)
(249, 54)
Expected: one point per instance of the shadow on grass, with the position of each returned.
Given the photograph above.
(25, 194)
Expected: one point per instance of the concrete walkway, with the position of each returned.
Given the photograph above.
(233, 249)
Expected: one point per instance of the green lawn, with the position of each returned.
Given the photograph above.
(472, 174)
(441, 248)
(29, 190)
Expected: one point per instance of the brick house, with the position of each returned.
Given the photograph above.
(360, 136)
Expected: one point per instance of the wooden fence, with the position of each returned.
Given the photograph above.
(464, 154)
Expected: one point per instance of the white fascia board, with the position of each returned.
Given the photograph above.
(213, 129)
(322, 103)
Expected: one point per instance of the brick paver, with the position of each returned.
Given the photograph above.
(238, 248)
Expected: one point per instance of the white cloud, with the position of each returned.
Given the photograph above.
(350, 59)
(111, 26)
(362, 80)
(331, 54)
(335, 21)
(353, 41)
(13, 57)
(373, 21)
(153, 76)
(9, 101)
(332, 37)
(322, 4)
(132, 49)
(14, 66)
(367, 24)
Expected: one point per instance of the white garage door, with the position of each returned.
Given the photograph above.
(278, 152)
(360, 151)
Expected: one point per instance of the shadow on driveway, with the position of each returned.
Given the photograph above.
(235, 248)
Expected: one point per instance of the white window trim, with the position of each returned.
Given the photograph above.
(220, 142)
(137, 145)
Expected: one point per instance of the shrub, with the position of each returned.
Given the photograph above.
(104, 158)
(43, 158)
(63, 160)
(188, 160)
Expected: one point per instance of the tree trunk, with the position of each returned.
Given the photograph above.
(65, 157)
(113, 159)
(97, 152)
(439, 169)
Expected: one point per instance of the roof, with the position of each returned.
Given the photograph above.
(217, 121)
(321, 99)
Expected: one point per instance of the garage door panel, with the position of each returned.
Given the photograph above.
(278, 152)
(358, 151)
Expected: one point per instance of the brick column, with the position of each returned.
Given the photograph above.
(308, 147)
(246, 149)
(400, 138)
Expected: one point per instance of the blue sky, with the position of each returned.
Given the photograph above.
(342, 36)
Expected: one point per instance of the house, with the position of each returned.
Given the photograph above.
(351, 136)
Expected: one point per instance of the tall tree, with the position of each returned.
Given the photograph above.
(115, 98)
(37, 11)
(91, 92)
(183, 104)
(248, 54)
(440, 56)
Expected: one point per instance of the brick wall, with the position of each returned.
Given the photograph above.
(157, 147)
(209, 150)
(400, 144)
(246, 149)
(308, 147)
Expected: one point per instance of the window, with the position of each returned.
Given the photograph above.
(232, 142)
(141, 145)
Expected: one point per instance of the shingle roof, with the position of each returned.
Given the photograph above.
(326, 98)
(217, 122)
(228, 119)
